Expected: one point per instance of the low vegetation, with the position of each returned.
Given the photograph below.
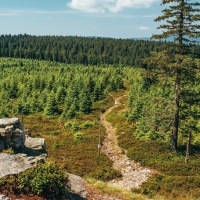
(47, 180)
(114, 191)
(173, 179)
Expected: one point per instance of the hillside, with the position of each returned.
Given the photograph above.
(78, 50)
(63, 103)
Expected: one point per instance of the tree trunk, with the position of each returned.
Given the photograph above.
(188, 147)
(176, 112)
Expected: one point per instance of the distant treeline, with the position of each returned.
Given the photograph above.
(79, 50)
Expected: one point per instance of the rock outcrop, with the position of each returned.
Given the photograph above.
(14, 164)
(11, 133)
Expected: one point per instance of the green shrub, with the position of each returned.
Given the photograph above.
(106, 174)
(87, 124)
(45, 180)
(79, 137)
(73, 126)
(171, 186)
(151, 187)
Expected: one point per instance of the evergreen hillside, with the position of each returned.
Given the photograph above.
(79, 50)
(62, 103)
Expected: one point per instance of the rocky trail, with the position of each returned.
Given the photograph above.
(133, 175)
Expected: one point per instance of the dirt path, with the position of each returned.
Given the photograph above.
(133, 175)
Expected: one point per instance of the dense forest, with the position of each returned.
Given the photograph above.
(79, 50)
(29, 86)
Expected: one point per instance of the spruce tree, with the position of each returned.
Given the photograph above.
(51, 108)
(181, 22)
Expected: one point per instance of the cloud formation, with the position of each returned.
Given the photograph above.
(10, 12)
(113, 6)
(144, 28)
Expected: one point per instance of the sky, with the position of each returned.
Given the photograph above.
(99, 18)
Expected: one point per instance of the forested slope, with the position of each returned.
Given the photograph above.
(79, 50)
(30, 86)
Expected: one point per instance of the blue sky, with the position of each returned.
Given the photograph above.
(103, 18)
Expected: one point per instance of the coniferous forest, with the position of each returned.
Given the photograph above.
(60, 86)
(77, 50)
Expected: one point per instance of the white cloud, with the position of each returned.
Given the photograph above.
(10, 12)
(113, 6)
(86, 5)
(144, 28)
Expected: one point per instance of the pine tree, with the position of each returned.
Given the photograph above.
(85, 102)
(180, 22)
(51, 107)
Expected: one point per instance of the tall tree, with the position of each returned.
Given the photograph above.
(181, 22)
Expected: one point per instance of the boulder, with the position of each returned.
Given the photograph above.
(37, 144)
(76, 187)
(11, 133)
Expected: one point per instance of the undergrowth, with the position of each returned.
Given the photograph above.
(46, 180)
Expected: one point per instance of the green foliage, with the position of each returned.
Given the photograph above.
(51, 108)
(106, 174)
(151, 105)
(54, 88)
(72, 125)
(172, 186)
(146, 102)
(176, 63)
(79, 137)
(87, 124)
(76, 50)
(75, 126)
(45, 180)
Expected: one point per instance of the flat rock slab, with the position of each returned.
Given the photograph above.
(8, 121)
(14, 164)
